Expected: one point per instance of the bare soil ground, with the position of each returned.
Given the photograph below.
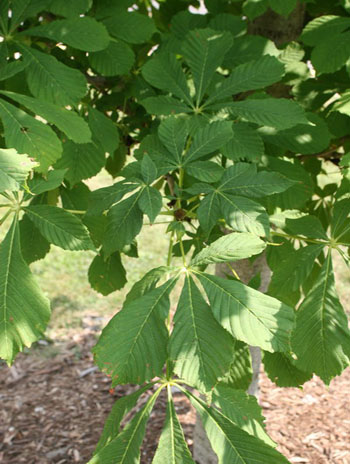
(54, 404)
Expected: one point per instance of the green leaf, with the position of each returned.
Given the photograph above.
(52, 81)
(249, 315)
(163, 105)
(342, 105)
(240, 374)
(124, 223)
(204, 51)
(292, 272)
(323, 28)
(246, 144)
(283, 7)
(62, 8)
(307, 226)
(19, 325)
(83, 33)
(332, 54)
(340, 224)
(102, 199)
(321, 339)
(244, 215)
(107, 275)
(209, 211)
(14, 169)
(254, 8)
(173, 133)
(172, 447)
(281, 370)
(104, 130)
(206, 171)
(67, 121)
(33, 245)
(115, 60)
(148, 170)
(275, 112)
(133, 346)
(132, 27)
(231, 247)
(209, 139)
(243, 410)
(227, 22)
(125, 448)
(147, 283)
(28, 135)
(23, 9)
(120, 408)
(256, 74)
(150, 202)
(60, 227)
(248, 48)
(11, 69)
(40, 184)
(243, 179)
(200, 348)
(81, 161)
(164, 71)
(231, 443)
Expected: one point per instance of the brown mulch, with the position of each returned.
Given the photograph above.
(53, 410)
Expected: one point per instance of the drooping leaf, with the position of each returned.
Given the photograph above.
(125, 448)
(249, 315)
(20, 326)
(243, 410)
(281, 369)
(124, 223)
(164, 72)
(150, 202)
(321, 339)
(133, 346)
(50, 80)
(249, 76)
(67, 121)
(115, 60)
(83, 33)
(107, 275)
(104, 130)
(60, 227)
(81, 160)
(241, 373)
(209, 139)
(172, 447)
(28, 135)
(231, 247)
(231, 443)
(204, 51)
(14, 169)
(200, 348)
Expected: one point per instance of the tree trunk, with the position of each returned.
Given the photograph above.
(202, 452)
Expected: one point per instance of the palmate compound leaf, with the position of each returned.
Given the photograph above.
(204, 51)
(172, 447)
(231, 247)
(281, 369)
(133, 346)
(28, 135)
(150, 202)
(115, 60)
(249, 315)
(24, 311)
(14, 169)
(321, 339)
(230, 442)
(104, 130)
(125, 448)
(240, 374)
(67, 121)
(243, 410)
(33, 245)
(120, 408)
(200, 348)
(60, 227)
(173, 133)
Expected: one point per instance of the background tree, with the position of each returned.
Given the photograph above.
(212, 127)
